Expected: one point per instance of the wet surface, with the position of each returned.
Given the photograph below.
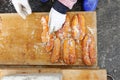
(108, 24)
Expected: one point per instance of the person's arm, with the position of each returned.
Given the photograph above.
(57, 14)
(68, 3)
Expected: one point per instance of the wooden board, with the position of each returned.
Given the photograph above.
(68, 74)
(20, 42)
(84, 75)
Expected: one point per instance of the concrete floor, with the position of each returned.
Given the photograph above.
(108, 24)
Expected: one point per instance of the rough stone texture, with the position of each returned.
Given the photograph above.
(108, 18)
(108, 15)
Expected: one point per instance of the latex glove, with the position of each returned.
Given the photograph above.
(22, 7)
(90, 5)
(56, 20)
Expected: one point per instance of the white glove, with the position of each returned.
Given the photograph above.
(56, 20)
(22, 7)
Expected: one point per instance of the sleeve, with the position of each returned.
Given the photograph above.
(68, 3)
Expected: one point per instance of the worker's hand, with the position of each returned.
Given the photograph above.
(56, 20)
(22, 7)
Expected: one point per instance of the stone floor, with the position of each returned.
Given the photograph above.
(108, 24)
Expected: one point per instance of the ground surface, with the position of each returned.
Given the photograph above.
(108, 24)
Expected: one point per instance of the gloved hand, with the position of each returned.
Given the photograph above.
(56, 20)
(22, 7)
(90, 5)
(57, 16)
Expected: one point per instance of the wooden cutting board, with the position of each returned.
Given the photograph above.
(20, 42)
(68, 74)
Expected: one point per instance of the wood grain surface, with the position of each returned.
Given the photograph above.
(67, 74)
(20, 42)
